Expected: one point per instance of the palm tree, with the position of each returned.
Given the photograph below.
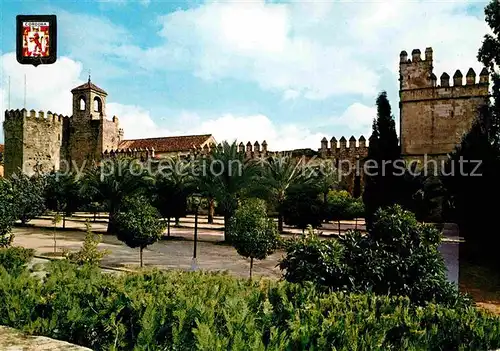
(113, 181)
(62, 193)
(207, 185)
(230, 176)
(279, 174)
(327, 177)
(174, 184)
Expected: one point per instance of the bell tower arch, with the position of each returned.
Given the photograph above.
(89, 102)
(90, 133)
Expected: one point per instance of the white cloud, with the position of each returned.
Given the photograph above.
(315, 49)
(136, 121)
(47, 86)
(357, 120)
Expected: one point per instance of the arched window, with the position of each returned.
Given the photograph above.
(97, 104)
(81, 102)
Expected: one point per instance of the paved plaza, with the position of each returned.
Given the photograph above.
(176, 252)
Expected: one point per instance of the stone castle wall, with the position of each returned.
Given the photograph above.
(349, 159)
(32, 141)
(110, 135)
(434, 117)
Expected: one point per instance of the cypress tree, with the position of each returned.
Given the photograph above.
(381, 184)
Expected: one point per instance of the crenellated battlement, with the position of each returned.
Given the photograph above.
(417, 73)
(352, 146)
(435, 112)
(416, 56)
(470, 87)
(141, 153)
(250, 150)
(33, 115)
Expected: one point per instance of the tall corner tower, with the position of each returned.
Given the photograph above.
(85, 132)
(434, 115)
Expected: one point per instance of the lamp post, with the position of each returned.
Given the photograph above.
(196, 202)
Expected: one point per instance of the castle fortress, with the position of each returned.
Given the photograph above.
(433, 119)
(435, 115)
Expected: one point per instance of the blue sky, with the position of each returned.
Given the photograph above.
(287, 72)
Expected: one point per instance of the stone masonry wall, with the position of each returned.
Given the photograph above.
(348, 157)
(84, 143)
(33, 141)
(110, 137)
(434, 117)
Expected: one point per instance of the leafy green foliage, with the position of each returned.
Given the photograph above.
(62, 193)
(471, 196)
(303, 207)
(279, 174)
(338, 203)
(228, 175)
(174, 183)
(114, 180)
(89, 252)
(255, 236)
(29, 201)
(7, 212)
(399, 257)
(309, 258)
(200, 311)
(14, 259)
(381, 183)
(138, 224)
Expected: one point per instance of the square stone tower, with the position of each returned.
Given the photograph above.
(434, 117)
(32, 141)
(89, 132)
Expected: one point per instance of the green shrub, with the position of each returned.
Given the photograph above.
(14, 259)
(255, 236)
(399, 257)
(303, 207)
(172, 310)
(29, 199)
(89, 253)
(7, 212)
(311, 259)
(138, 224)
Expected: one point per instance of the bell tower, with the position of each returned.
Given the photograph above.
(89, 102)
(89, 130)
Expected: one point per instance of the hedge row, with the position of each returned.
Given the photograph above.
(172, 310)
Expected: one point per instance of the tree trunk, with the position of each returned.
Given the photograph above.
(227, 218)
(168, 227)
(356, 224)
(111, 222)
(177, 221)
(64, 221)
(338, 221)
(55, 247)
(95, 214)
(280, 223)
(211, 210)
(325, 198)
(251, 266)
(140, 254)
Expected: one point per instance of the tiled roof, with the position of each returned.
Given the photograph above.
(89, 85)
(166, 144)
(1, 148)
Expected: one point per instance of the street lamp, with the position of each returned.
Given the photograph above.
(196, 202)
